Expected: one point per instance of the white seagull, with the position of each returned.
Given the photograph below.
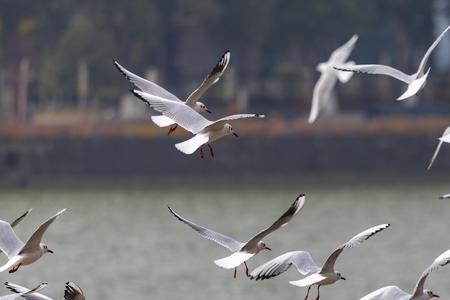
(305, 264)
(23, 293)
(19, 253)
(71, 292)
(191, 101)
(324, 86)
(445, 138)
(243, 251)
(204, 130)
(419, 293)
(415, 82)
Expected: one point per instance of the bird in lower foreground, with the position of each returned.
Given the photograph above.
(445, 138)
(446, 196)
(305, 264)
(23, 293)
(415, 82)
(324, 87)
(19, 253)
(204, 130)
(419, 293)
(71, 292)
(191, 101)
(243, 251)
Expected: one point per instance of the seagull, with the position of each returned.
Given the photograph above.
(446, 196)
(243, 251)
(72, 292)
(325, 84)
(192, 101)
(19, 253)
(23, 293)
(415, 82)
(305, 264)
(445, 138)
(395, 293)
(204, 130)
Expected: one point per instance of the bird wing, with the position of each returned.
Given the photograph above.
(211, 235)
(444, 138)
(17, 221)
(179, 112)
(293, 210)
(321, 93)
(341, 54)
(73, 292)
(425, 58)
(388, 292)
(353, 242)
(211, 79)
(10, 243)
(34, 241)
(376, 69)
(220, 122)
(446, 196)
(302, 260)
(146, 85)
(441, 261)
(26, 293)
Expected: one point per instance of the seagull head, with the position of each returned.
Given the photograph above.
(201, 107)
(340, 276)
(229, 129)
(45, 249)
(429, 294)
(262, 246)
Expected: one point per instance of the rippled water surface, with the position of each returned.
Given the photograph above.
(122, 243)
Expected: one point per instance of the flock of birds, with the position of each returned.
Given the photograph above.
(187, 114)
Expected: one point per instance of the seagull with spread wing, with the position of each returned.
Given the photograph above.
(22, 293)
(420, 293)
(193, 99)
(305, 264)
(18, 253)
(243, 251)
(71, 292)
(415, 82)
(323, 89)
(204, 130)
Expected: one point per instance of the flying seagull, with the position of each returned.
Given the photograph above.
(305, 264)
(204, 130)
(446, 196)
(445, 138)
(243, 251)
(193, 99)
(23, 293)
(415, 82)
(19, 253)
(324, 86)
(419, 293)
(72, 292)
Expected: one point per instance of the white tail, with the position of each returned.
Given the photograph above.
(233, 260)
(191, 145)
(162, 121)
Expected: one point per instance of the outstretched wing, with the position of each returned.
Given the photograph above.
(425, 58)
(322, 93)
(341, 54)
(179, 112)
(353, 242)
(10, 243)
(220, 122)
(211, 79)
(25, 292)
(444, 138)
(211, 235)
(441, 261)
(146, 85)
(36, 238)
(302, 260)
(73, 292)
(376, 69)
(19, 219)
(388, 292)
(293, 210)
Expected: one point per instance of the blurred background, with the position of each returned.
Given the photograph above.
(72, 135)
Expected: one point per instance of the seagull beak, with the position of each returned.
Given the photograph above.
(267, 248)
(235, 134)
(434, 295)
(50, 251)
(208, 111)
(343, 278)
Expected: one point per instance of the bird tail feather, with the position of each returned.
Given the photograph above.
(191, 145)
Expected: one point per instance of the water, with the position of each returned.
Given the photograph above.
(122, 243)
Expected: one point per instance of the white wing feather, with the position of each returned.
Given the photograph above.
(388, 292)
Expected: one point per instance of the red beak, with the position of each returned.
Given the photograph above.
(208, 111)
(50, 251)
(235, 134)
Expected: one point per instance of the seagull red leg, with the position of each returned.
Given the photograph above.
(318, 292)
(246, 269)
(235, 273)
(201, 153)
(307, 293)
(15, 268)
(172, 128)
(211, 150)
